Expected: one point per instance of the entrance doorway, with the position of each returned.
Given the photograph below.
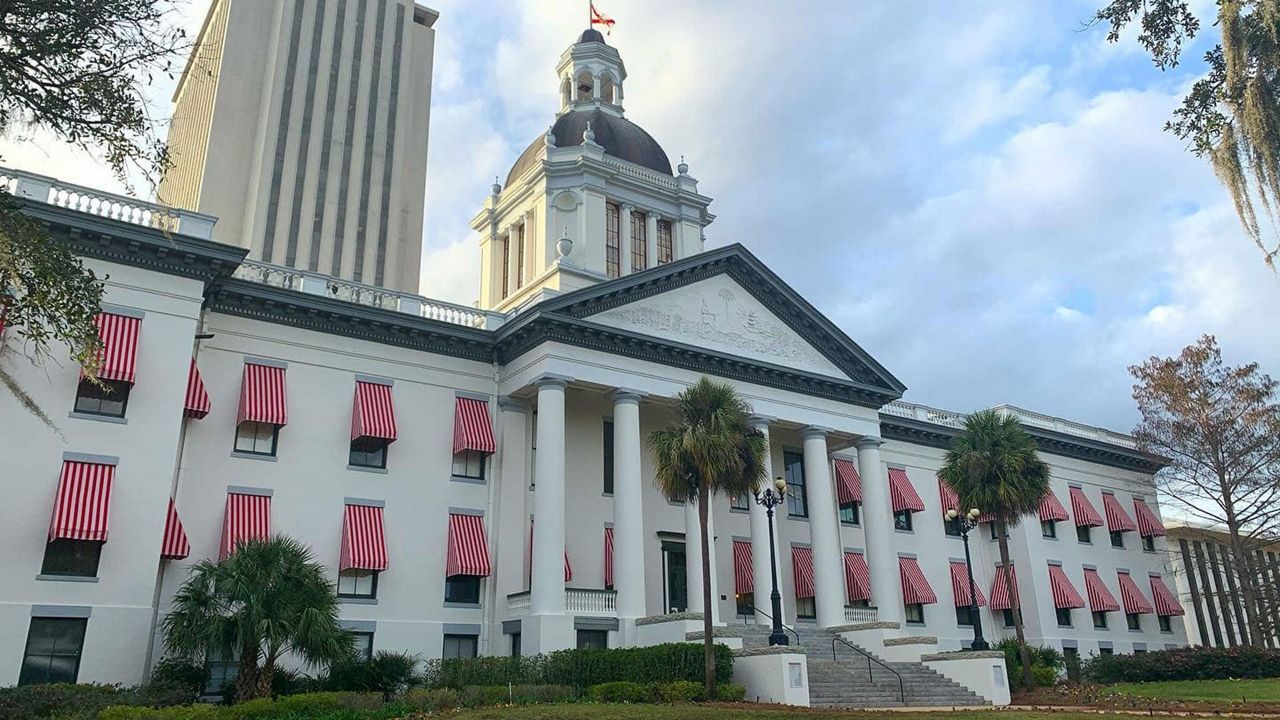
(675, 592)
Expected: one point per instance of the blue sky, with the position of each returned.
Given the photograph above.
(979, 193)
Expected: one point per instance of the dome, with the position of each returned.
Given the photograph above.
(591, 35)
(620, 137)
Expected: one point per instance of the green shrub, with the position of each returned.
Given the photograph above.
(1045, 663)
(621, 692)
(730, 692)
(1190, 663)
(1043, 675)
(680, 691)
(76, 702)
(581, 668)
(432, 700)
(180, 712)
(389, 673)
(175, 672)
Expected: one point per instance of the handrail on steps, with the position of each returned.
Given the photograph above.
(785, 626)
(902, 691)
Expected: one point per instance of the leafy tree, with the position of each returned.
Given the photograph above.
(993, 466)
(268, 598)
(711, 450)
(1220, 428)
(1232, 114)
(78, 70)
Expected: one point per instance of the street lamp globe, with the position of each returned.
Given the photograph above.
(974, 513)
(781, 485)
(952, 514)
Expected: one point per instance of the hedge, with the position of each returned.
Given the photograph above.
(680, 691)
(84, 702)
(1190, 663)
(582, 668)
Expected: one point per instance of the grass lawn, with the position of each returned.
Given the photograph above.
(1204, 690)
(587, 711)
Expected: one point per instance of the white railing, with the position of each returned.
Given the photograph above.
(641, 172)
(51, 191)
(948, 418)
(859, 615)
(591, 602)
(518, 603)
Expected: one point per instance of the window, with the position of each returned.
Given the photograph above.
(53, 650)
(1134, 620)
(1083, 535)
(1165, 624)
(593, 639)
(257, 438)
(746, 603)
(506, 266)
(639, 240)
(793, 468)
(849, 513)
(902, 520)
(368, 452)
(1106, 651)
(72, 558)
(469, 464)
(1048, 528)
(991, 527)
(515, 644)
(607, 442)
(222, 674)
(1117, 539)
(806, 609)
(914, 614)
(1008, 617)
(740, 501)
(965, 615)
(460, 646)
(462, 589)
(1064, 617)
(1071, 659)
(363, 645)
(358, 583)
(612, 240)
(666, 251)
(520, 257)
(1149, 543)
(109, 400)
(1139, 651)
(1099, 620)
(950, 527)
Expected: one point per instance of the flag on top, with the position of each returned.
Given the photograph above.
(600, 19)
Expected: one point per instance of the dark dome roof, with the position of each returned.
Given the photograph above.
(591, 35)
(620, 137)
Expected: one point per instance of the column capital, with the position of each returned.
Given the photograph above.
(552, 380)
(815, 431)
(760, 422)
(506, 403)
(868, 442)
(627, 395)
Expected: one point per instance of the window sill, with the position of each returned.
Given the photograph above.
(800, 518)
(464, 606)
(740, 511)
(911, 623)
(98, 418)
(1049, 537)
(357, 601)
(464, 479)
(846, 523)
(68, 578)
(253, 456)
(807, 621)
(1066, 627)
(904, 532)
(606, 494)
(367, 469)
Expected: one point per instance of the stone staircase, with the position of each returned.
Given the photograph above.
(845, 681)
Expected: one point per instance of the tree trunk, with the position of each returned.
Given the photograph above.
(265, 678)
(1023, 653)
(1242, 566)
(247, 675)
(708, 645)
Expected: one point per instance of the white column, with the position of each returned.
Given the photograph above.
(824, 528)
(628, 521)
(877, 526)
(651, 238)
(513, 258)
(693, 560)
(624, 240)
(547, 583)
(760, 560)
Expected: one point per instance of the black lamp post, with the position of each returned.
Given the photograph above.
(769, 498)
(965, 523)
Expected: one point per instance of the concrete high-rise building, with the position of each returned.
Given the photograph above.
(302, 125)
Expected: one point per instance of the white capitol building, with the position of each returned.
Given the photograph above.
(478, 480)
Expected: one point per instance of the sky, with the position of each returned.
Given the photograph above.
(979, 193)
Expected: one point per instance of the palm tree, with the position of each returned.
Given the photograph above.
(992, 465)
(712, 449)
(267, 598)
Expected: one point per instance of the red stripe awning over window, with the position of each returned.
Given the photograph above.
(468, 552)
(1148, 524)
(1166, 602)
(197, 404)
(175, 545)
(1051, 510)
(1100, 598)
(857, 577)
(262, 396)
(364, 544)
(1064, 593)
(848, 482)
(248, 517)
(83, 499)
(1000, 598)
(1134, 602)
(743, 574)
(950, 499)
(960, 586)
(1117, 519)
(119, 354)
(372, 413)
(802, 571)
(902, 494)
(1086, 516)
(915, 588)
(472, 429)
(608, 557)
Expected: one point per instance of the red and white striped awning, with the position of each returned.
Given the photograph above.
(1134, 602)
(915, 588)
(1166, 602)
(248, 517)
(1064, 593)
(119, 353)
(608, 557)
(364, 544)
(1000, 599)
(1117, 519)
(743, 574)
(472, 429)
(1051, 510)
(902, 494)
(262, 396)
(802, 571)
(468, 551)
(1148, 524)
(857, 577)
(848, 482)
(1086, 516)
(175, 545)
(950, 499)
(1100, 598)
(197, 404)
(83, 499)
(372, 413)
(960, 586)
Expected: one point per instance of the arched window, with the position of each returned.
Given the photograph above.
(566, 92)
(607, 90)
(585, 86)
